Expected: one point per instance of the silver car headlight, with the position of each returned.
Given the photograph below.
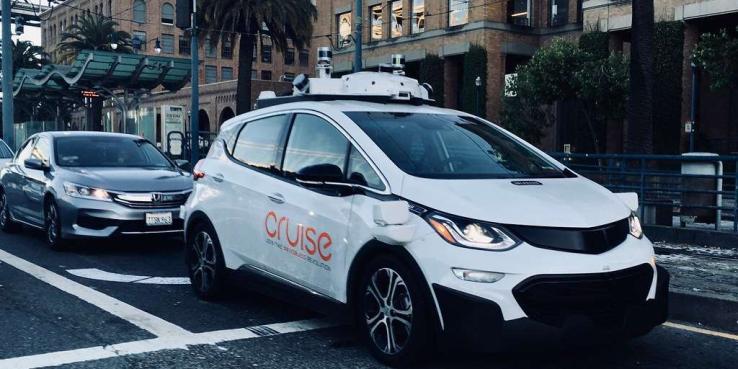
(84, 192)
(635, 226)
(474, 234)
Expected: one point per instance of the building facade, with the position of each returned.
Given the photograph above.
(716, 123)
(150, 20)
(508, 31)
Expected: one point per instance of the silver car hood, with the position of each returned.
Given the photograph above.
(129, 179)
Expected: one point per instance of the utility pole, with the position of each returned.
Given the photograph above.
(8, 131)
(194, 81)
(358, 18)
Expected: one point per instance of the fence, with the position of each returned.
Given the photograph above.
(692, 190)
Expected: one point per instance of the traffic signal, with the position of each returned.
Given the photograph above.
(184, 11)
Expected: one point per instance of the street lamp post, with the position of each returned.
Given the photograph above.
(195, 98)
(8, 131)
(693, 108)
(478, 84)
(358, 39)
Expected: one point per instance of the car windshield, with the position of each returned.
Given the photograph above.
(119, 152)
(451, 147)
(5, 152)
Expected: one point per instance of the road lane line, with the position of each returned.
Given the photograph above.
(101, 275)
(151, 323)
(159, 344)
(708, 332)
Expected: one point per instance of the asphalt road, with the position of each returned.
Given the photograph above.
(51, 317)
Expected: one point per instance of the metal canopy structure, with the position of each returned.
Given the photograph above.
(103, 71)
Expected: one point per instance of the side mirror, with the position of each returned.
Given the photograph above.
(35, 164)
(184, 165)
(630, 199)
(320, 173)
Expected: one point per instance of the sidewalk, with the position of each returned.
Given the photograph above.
(704, 284)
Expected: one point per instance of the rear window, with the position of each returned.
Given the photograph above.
(5, 152)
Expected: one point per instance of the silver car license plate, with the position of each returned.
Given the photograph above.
(158, 219)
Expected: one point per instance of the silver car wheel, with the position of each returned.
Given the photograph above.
(3, 210)
(51, 224)
(204, 262)
(388, 311)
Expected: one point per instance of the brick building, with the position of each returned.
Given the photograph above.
(149, 20)
(717, 111)
(510, 31)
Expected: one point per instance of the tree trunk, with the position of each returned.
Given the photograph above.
(639, 135)
(245, 62)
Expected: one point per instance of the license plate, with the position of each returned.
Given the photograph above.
(158, 219)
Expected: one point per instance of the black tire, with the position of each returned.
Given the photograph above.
(205, 262)
(52, 227)
(402, 313)
(6, 224)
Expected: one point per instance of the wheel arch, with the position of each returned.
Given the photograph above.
(194, 219)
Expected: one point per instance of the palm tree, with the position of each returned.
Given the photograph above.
(281, 21)
(27, 55)
(93, 32)
(639, 135)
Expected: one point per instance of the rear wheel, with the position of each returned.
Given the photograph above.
(393, 312)
(6, 224)
(205, 262)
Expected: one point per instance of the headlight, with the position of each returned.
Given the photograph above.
(84, 192)
(635, 226)
(469, 233)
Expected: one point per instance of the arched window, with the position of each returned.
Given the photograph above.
(167, 13)
(139, 11)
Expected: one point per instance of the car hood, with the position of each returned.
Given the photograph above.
(130, 179)
(556, 202)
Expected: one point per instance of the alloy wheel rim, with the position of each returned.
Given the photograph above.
(204, 261)
(388, 311)
(3, 211)
(51, 221)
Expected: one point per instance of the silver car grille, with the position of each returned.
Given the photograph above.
(151, 200)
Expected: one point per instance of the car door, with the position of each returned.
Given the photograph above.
(243, 182)
(305, 227)
(14, 182)
(35, 181)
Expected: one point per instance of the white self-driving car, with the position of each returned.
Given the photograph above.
(427, 222)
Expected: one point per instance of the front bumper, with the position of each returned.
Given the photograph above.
(82, 218)
(610, 304)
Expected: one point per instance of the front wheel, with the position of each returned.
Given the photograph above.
(393, 312)
(6, 224)
(52, 224)
(205, 263)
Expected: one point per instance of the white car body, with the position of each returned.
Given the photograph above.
(258, 217)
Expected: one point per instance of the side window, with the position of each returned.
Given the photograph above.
(42, 150)
(314, 141)
(361, 173)
(259, 142)
(25, 152)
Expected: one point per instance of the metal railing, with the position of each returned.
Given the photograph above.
(674, 190)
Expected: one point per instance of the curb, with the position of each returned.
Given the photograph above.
(706, 311)
(725, 240)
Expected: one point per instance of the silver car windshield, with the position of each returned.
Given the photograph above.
(117, 152)
(451, 147)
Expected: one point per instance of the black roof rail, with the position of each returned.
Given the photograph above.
(274, 101)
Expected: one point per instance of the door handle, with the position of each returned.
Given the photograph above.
(276, 198)
(218, 177)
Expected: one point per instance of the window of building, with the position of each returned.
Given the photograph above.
(227, 49)
(211, 74)
(518, 12)
(254, 53)
(289, 56)
(184, 45)
(139, 11)
(210, 48)
(226, 73)
(141, 37)
(253, 74)
(396, 16)
(304, 57)
(259, 142)
(167, 13)
(313, 141)
(266, 75)
(167, 44)
(343, 22)
(418, 16)
(458, 13)
(377, 26)
(266, 53)
(559, 12)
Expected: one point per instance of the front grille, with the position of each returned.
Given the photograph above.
(603, 297)
(581, 240)
(154, 200)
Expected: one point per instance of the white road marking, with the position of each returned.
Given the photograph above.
(140, 318)
(157, 344)
(101, 275)
(707, 332)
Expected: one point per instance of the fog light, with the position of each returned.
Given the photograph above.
(477, 275)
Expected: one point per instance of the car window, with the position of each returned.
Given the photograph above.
(42, 150)
(260, 141)
(314, 141)
(25, 151)
(108, 151)
(361, 172)
(5, 152)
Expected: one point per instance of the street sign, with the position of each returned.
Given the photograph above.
(689, 127)
(172, 120)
